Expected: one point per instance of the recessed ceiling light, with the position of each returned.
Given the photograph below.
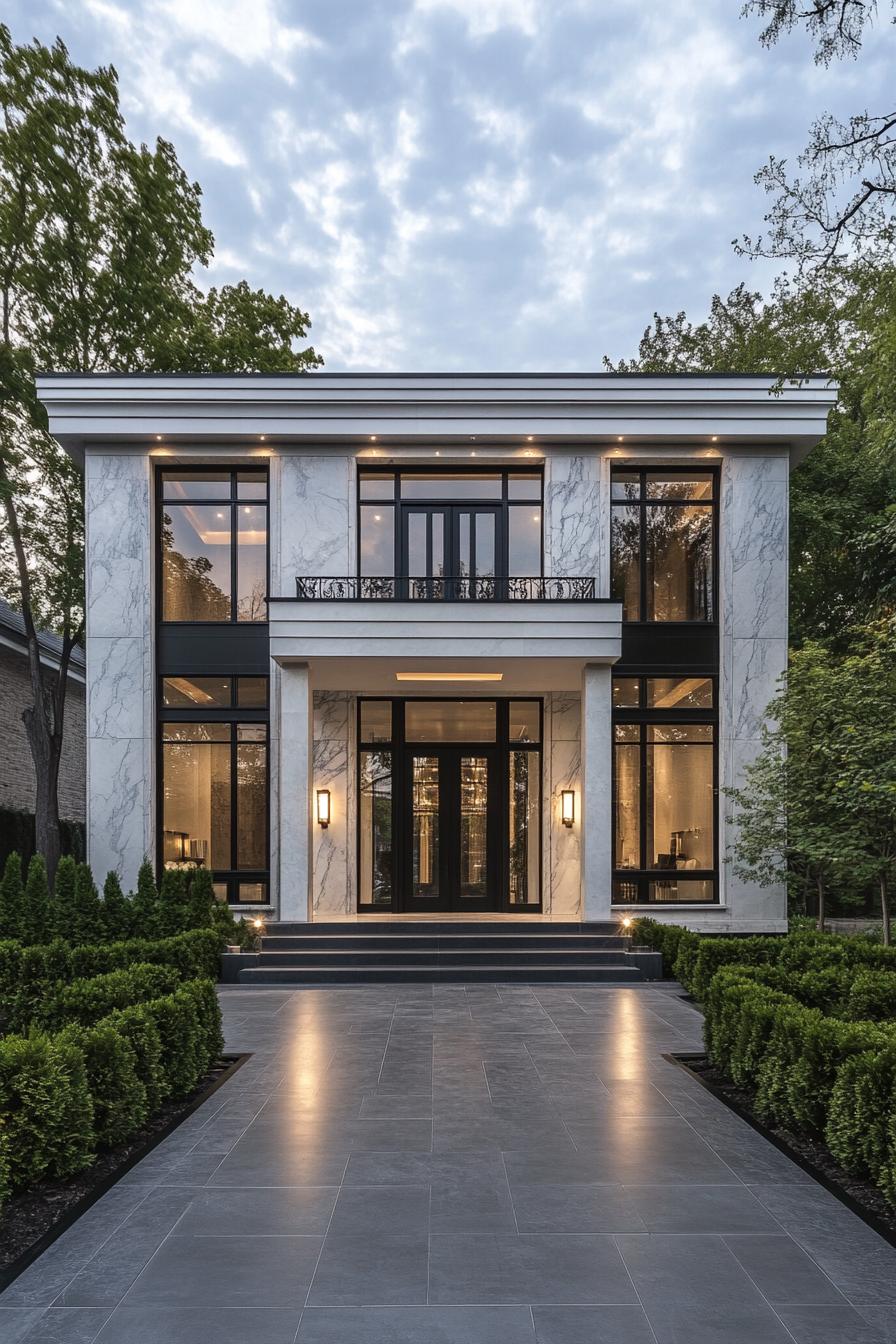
(262, 437)
(530, 438)
(158, 438)
(449, 676)
(619, 438)
(715, 438)
(373, 438)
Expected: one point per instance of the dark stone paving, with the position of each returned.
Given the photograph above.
(451, 1165)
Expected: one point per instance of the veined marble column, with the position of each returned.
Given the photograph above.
(596, 810)
(296, 733)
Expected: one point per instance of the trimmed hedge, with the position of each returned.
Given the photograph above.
(62, 1096)
(32, 976)
(85, 1001)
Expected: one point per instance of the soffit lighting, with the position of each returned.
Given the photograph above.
(449, 676)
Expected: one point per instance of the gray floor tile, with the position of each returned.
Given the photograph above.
(592, 1325)
(66, 1325)
(371, 1270)
(575, 1208)
(781, 1270)
(222, 1272)
(721, 1322)
(416, 1325)
(700, 1208)
(201, 1325)
(670, 1269)
(834, 1325)
(248, 1165)
(528, 1268)
(381, 1211)
(15, 1322)
(259, 1212)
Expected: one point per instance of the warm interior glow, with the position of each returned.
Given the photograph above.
(323, 807)
(449, 676)
(567, 806)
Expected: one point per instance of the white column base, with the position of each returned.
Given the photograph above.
(597, 792)
(294, 794)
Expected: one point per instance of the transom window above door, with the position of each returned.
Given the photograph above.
(453, 535)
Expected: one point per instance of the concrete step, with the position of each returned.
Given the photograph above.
(401, 927)
(436, 956)
(408, 973)
(444, 942)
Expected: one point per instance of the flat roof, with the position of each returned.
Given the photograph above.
(407, 408)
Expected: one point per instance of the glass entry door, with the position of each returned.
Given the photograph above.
(453, 861)
(451, 551)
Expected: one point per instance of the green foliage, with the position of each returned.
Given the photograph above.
(64, 886)
(46, 1112)
(145, 903)
(11, 899)
(137, 1026)
(183, 1049)
(84, 922)
(208, 1013)
(173, 911)
(861, 1107)
(685, 958)
(37, 910)
(116, 910)
(711, 953)
(86, 1001)
(871, 997)
(201, 900)
(118, 1095)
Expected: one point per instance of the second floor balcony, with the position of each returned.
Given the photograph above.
(364, 633)
(444, 588)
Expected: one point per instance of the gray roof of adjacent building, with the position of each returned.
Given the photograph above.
(12, 635)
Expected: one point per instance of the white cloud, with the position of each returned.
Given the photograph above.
(487, 16)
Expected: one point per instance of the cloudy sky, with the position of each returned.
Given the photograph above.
(477, 184)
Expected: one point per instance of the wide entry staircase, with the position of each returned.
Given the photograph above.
(446, 952)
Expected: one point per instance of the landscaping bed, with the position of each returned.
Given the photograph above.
(32, 1220)
(800, 1035)
(813, 1156)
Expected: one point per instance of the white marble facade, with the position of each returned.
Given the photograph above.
(120, 702)
(312, 522)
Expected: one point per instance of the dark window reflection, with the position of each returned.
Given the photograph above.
(196, 562)
(679, 563)
(662, 545)
(625, 577)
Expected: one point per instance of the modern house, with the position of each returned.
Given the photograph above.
(435, 644)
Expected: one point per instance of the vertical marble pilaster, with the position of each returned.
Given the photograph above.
(564, 877)
(596, 811)
(294, 793)
(753, 573)
(572, 515)
(332, 885)
(315, 518)
(120, 791)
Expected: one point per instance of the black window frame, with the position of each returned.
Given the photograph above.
(642, 504)
(399, 747)
(232, 502)
(399, 506)
(639, 879)
(231, 715)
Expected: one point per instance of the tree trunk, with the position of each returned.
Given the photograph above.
(46, 750)
(884, 909)
(819, 885)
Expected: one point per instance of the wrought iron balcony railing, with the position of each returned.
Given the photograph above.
(324, 588)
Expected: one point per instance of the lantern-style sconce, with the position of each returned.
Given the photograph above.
(567, 806)
(323, 808)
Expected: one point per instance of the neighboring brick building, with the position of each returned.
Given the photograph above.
(17, 783)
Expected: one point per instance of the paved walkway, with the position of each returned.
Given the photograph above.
(418, 1165)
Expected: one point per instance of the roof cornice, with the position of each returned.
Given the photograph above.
(408, 407)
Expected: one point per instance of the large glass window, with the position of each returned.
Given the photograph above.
(213, 540)
(470, 528)
(664, 784)
(214, 782)
(663, 544)
(375, 828)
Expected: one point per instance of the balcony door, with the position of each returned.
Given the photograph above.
(452, 839)
(451, 552)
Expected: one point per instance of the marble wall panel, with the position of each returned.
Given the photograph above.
(120, 702)
(333, 769)
(572, 515)
(753, 573)
(315, 518)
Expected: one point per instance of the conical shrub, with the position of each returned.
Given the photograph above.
(38, 923)
(11, 899)
(63, 900)
(173, 910)
(116, 910)
(145, 904)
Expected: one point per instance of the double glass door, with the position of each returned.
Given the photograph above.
(452, 864)
(452, 551)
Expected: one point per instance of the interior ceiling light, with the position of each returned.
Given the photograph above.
(449, 676)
